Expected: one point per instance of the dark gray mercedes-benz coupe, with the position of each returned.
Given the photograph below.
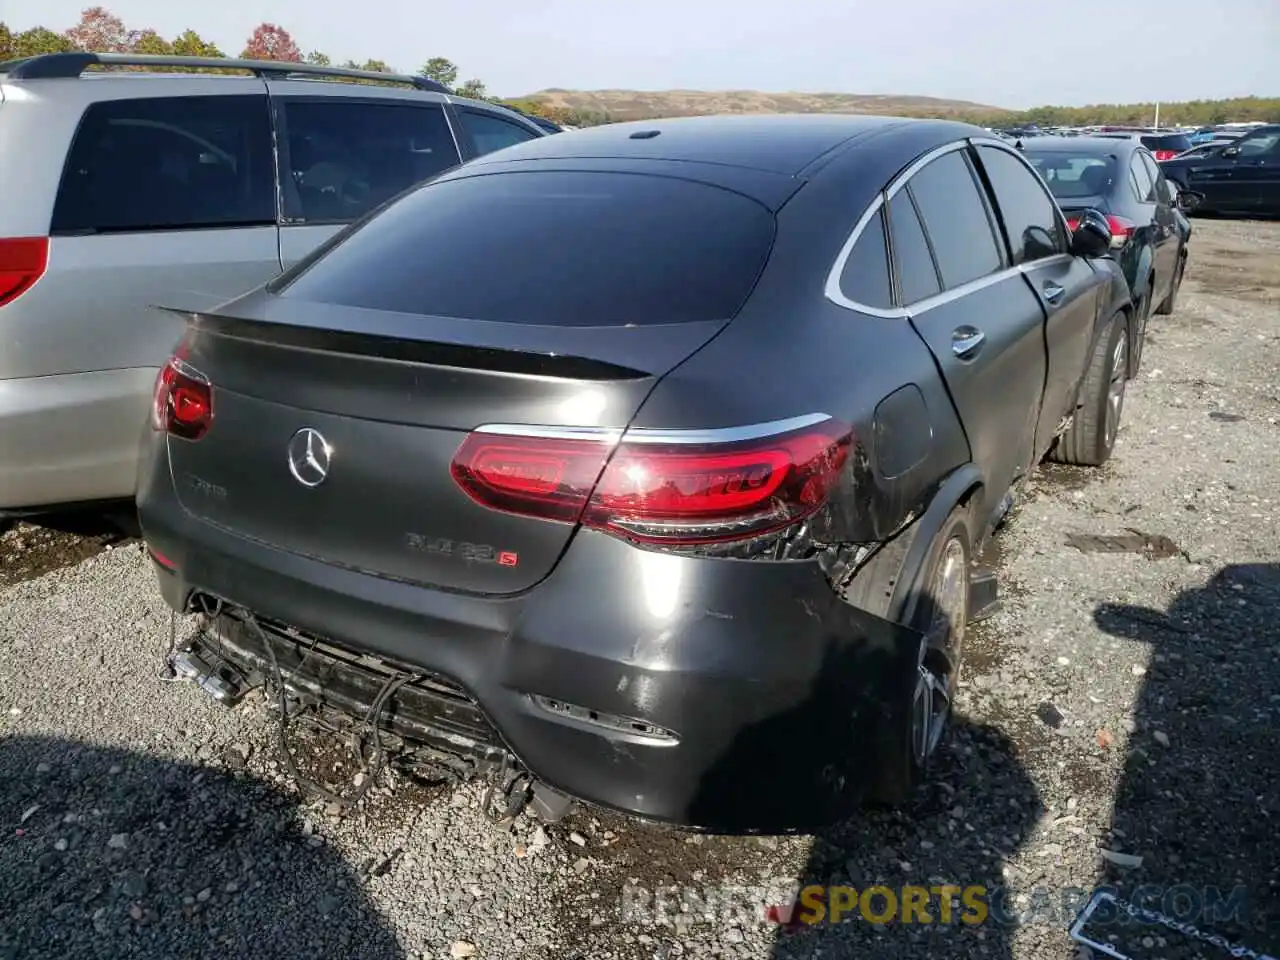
(646, 465)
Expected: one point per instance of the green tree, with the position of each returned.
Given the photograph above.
(6, 42)
(377, 66)
(318, 58)
(474, 89)
(38, 40)
(442, 70)
(191, 44)
(150, 42)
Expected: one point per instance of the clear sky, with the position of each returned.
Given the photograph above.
(1008, 53)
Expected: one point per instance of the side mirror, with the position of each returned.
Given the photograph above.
(1092, 235)
(1230, 152)
(1188, 201)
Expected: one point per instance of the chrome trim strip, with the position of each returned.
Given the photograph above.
(955, 293)
(832, 290)
(612, 435)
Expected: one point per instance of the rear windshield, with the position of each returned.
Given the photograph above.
(552, 248)
(1167, 141)
(1072, 176)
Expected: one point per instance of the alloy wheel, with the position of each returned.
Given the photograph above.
(939, 658)
(1115, 390)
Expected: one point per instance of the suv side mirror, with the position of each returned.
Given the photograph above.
(1092, 235)
(1230, 152)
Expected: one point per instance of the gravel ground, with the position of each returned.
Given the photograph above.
(1120, 706)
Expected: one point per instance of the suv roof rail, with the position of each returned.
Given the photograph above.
(55, 66)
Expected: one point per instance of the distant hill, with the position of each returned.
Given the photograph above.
(648, 104)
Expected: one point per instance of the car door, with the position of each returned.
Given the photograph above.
(344, 153)
(1066, 287)
(1166, 236)
(982, 322)
(1254, 179)
(486, 131)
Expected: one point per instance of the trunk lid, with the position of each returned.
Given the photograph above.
(391, 397)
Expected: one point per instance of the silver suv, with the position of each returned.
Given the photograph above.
(122, 191)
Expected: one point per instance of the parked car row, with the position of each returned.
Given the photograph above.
(1240, 177)
(647, 465)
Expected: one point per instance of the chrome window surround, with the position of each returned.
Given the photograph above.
(612, 435)
(837, 296)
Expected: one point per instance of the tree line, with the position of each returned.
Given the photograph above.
(101, 31)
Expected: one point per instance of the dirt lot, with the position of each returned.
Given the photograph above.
(1117, 727)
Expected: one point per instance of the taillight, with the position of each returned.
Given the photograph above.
(22, 262)
(183, 402)
(657, 487)
(1165, 154)
(1121, 229)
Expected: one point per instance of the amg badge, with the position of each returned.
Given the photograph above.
(470, 552)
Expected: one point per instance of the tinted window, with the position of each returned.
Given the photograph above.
(1028, 213)
(492, 133)
(1071, 177)
(347, 157)
(1252, 146)
(866, 273)
(917, 276)
(1143, 186)
(1167, 141)
(173, 163)
(1156, 175)
(552, 248)
(955, 219)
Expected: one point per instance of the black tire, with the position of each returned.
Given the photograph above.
(1089, 440)
(1171, 301)
(903, 756)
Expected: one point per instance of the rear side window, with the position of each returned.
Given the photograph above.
(1143, 186)
(173, 163)
(1167, 141)
(1072, 177)
(555, 248)
(490, 133)
(1029, 214)
(917, 276)
(348, 156)
(866, 278)
(955, 220)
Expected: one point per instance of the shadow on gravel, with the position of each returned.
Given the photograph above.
(33, 546)
(977, 810)
(1199, 801)
(112, 854)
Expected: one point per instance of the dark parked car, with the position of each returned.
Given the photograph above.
(1164, 146)
(660, 483)
(1242, 177)
(1122, 180)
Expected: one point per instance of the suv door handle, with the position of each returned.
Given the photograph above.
(1053, 292)
(965, 341)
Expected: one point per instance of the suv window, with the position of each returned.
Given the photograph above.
(172, 163)
(1028, 212)
(1168, 142)
(1158, 192)
(612, 262)
(348, 156)
(955, 220)
(866, 278)
(491, 132)
(1256, 144)
(917, 276)
(1143, 185)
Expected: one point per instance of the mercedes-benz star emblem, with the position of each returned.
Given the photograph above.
(309, 454)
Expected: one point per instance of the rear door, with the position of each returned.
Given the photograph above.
(1165, 232)
(982, 322)
(1254, 178)
(1066, 287)
(344, 153)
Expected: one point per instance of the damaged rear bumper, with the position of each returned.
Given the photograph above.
(725, 695)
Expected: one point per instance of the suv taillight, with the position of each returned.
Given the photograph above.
(22, 262)
(654, 487)
(1164, 154)
(183, 402)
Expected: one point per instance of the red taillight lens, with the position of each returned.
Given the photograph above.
(22, 262)
(183, 401)
(1073, 222)
(654, 488)
(1121, 229)
(1165, 154)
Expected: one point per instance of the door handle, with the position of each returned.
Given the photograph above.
(965, 341)
(1053, 292)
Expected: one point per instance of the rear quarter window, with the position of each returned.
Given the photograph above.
(169, 163)
(553, 248)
